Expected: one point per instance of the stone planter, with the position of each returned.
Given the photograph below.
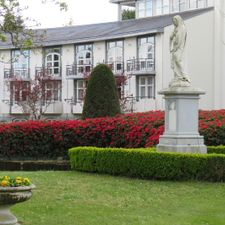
(10, 196)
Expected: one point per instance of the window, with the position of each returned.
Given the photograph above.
(145, 8)
(192, 4)
(141, 9)
(146, 87)
(19, 91)
(53, 61)
(80, 88)
(146, 52)
(53, 91)
(149, 8)
(158, 7)
(115, 56)
(182, 5)
(84, 58)
(166, 6)
(201, 3)
(20, 63)
(175, 6)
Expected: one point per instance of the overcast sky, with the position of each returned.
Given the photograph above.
(80, 11)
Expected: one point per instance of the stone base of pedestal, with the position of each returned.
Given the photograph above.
(181, 121)
(182, 144)
(6, 217)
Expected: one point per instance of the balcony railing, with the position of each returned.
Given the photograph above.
(78, 70)
(46, 71)
(17, 73)
(117, 67)
(140, 66)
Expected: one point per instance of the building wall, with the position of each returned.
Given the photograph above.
(4, 96)
(36, 59)
(159, 67)
(219, 53)
(130, 52)
(99, 52)
(67, 85)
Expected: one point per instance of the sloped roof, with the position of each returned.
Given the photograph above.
(111, 30)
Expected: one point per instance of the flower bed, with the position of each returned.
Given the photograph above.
(39, 139)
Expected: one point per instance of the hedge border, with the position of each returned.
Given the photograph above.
(148, 164)
(220, 149)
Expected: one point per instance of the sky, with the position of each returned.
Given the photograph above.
(80, 11)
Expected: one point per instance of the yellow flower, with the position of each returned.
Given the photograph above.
(18, 181)
(6, 178)
(4, 183)
(18, 178)
(26, 180)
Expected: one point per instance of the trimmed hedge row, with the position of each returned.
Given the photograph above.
(216, 149)
(145, 163)
(210, 149)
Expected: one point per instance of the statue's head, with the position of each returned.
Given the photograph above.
(177, 20)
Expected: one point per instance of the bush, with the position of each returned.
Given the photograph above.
(148, 164)
(212, 127)
(101, 97)
(39, 139)
(216, 149)
(45, 139)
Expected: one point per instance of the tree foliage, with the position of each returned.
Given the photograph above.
(101, 97)
(128, 14)
(13, 26)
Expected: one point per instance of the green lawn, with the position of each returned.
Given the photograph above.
(73, 198)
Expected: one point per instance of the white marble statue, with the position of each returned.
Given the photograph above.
(177, 46)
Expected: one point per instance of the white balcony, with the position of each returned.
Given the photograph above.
(78, 71)
(140, 66)
(18, 73)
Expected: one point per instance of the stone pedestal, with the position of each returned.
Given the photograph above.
(10, 196)
(181, 121)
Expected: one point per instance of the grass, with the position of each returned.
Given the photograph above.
(73, 198)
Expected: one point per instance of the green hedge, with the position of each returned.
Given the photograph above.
(216, 149)
(145, 163)
(210, 149)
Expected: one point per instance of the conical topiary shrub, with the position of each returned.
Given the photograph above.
(101, 97)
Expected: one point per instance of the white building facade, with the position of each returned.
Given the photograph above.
(136, 50)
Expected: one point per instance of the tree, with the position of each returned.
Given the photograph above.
(13, 26)
(33, 96)
(101, 97)
(128, 14)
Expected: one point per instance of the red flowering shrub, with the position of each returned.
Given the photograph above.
(41, 139)
(212, 127)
